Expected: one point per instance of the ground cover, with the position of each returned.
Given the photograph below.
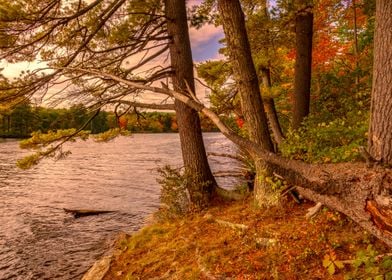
(235, 240)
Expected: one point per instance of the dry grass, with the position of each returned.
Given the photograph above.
(278, 244)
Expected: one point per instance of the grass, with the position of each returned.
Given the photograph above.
(278, 244)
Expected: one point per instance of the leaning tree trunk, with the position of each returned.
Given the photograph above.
(192, 146)
(269, 103)
(380, 130)
(244, 72)
(270, 107)
(248, 86)
(303, 63)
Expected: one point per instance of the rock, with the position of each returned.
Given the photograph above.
(99, 269)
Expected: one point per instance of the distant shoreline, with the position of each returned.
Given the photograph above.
(14, 137)
(17, 137)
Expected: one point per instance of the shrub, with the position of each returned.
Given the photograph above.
(175, 198)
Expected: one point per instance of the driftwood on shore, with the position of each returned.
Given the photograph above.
(77, 213)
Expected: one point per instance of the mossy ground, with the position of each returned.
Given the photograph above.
(278, 244)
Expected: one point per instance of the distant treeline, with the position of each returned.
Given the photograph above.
(24, 118)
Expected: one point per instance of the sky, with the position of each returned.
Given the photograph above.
(205, 40)
(205, 43)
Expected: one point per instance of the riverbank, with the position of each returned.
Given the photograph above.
(237, 241)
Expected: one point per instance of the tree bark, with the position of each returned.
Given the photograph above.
(356, 48)
(246, 78)
(303, 63)
(380, 130)
(270, 108)
(244, 71)
(192, 146)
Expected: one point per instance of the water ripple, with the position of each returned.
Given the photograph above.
(38, 240)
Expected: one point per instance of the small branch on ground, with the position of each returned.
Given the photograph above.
(312, 211)
(234, 226)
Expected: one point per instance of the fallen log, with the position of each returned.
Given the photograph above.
(77, 213)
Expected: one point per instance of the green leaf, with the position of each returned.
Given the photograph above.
(357, 263)
(387, 263)
(28, 161)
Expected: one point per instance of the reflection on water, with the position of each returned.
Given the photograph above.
(38, 240)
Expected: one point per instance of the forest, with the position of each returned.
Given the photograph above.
(23, 119)
(302, 88)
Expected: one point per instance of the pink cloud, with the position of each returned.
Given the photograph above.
(204, 41)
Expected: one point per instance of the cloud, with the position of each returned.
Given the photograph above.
(205, 42)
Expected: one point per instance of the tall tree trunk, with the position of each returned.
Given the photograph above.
(270, 108)
(303, 62)
(244, 72)
(380, 130)
(192, 146)
(356, 49)
(269, 103)
(248, 86)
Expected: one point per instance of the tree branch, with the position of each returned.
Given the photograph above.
(143, 105)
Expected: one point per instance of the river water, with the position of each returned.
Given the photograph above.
(38, 240)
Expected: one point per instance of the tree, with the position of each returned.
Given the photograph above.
(244, 72)
(100, 123)
(5, 120)
(303, 61)
(263, 36)
(192, 146)
(380, 136)
(22, 120)
(117, 36)
(77, 115)
(247, 82)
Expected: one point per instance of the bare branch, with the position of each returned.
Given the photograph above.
(143, 105)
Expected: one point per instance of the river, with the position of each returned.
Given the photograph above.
(38, 240)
